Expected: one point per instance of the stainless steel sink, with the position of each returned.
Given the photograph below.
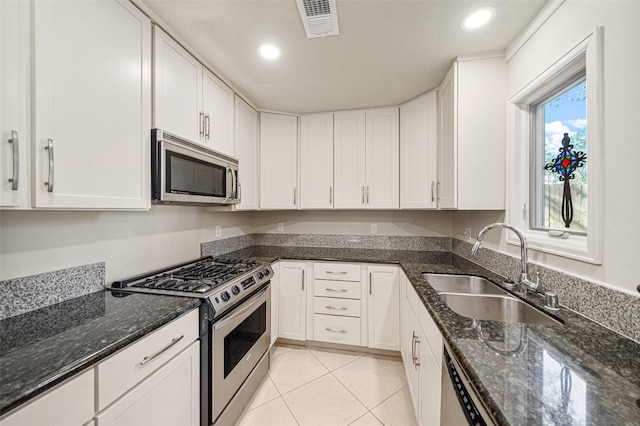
(462, 284)
(494, 307)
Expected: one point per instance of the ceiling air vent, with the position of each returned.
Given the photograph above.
(319, 17)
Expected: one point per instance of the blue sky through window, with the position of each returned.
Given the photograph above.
(567, 113)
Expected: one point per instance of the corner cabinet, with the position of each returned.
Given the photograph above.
(92, 92)
(247, 147)
(419, 152)
(189, 100)
(316, 161)
(472, 147)
(278, 161)
(367, 159)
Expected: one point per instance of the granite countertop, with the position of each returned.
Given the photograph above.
(42, 348)
(575, 373)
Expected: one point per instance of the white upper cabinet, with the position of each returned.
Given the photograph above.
(218, 106)
(472, 148)
(15, 104)
(177, 86)
(316, 161)
(367, 159)
(278, 161)
(419, 152)
(189, 100)
(382, 157)
(247, 144)
(349, 159)
(92, 105)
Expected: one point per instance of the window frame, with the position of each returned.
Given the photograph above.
(588, 54)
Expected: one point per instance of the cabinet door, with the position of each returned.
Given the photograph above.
(278, 160)
(170, 396)
(217, 104)
(247, 146)
(413, 363)
(316, 161)
(384, 307)
(419, 152)
(275, 292)
(292, 310)
(382, 157)
(448, 154)
(177, 89)
(15, 103)
(69, 404)
(349, 159)
(430, 373)
(92, 105)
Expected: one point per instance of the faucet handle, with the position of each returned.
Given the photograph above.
(551, 301)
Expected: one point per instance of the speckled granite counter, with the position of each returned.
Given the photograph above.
(42, 348)
(575, 373)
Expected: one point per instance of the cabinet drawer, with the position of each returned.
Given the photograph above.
(125, 369)
(336, 329)
(341, 289)
(336, 271)
(333, 306)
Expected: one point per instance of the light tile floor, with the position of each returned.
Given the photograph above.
(309, 386)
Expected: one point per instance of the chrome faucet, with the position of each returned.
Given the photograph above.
(525, 283)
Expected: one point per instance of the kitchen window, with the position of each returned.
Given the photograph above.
(555, 159)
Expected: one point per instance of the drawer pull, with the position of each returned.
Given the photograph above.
(336, 272)
(333, 330)
(335, 308)
(146, 359)
(342, 290)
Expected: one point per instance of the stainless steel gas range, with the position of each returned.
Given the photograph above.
(235, 326)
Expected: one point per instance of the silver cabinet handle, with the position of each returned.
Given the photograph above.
(336, 308)
(416, 360)
(294, 196)
(207, 127)
(432, 194)
(148, 358)
(342, 290)
(336, 272)
(239, 192)
(438, 190)
(363, 195)
(413, 349)
(367, 194)
(370, 279)
(16, 160)
(303, 280)
(49, 148)
(333, 330)
(331, 195)
(201, 126)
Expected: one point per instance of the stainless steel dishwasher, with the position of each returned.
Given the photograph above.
(459, 404)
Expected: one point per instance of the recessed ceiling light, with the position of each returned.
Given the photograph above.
(478, 18)
(269, 51)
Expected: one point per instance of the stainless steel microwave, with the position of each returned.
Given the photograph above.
(183, 172)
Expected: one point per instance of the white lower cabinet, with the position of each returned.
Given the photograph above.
(384, 307)
(170, 396)
(71, 403)
(422, 357)
(292, 308)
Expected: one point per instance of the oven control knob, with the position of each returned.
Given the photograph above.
(260, 275)
(235, 289)
(225, 296)
(266, 272)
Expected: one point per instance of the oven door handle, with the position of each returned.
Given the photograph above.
(248, 305)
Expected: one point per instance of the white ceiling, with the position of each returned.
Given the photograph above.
(388, 51)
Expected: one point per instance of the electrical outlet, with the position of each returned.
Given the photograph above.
(374, 228)
(280, 227)
(467, 233)
(218, 230)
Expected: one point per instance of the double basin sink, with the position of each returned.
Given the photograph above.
(478, 298)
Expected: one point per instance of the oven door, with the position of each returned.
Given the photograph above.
(239, 341)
